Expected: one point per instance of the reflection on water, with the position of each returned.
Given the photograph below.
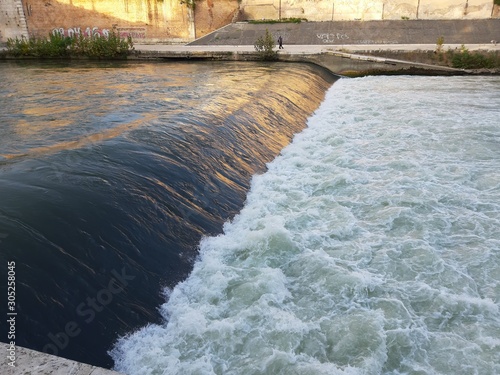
(68, 145)
(112, 173)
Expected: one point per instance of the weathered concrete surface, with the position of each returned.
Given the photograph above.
(142, 19)
(359, 32)
(210, 15)
(320, 10)
(145, 20)
(30, 362)
(12, 20)
(349, 64)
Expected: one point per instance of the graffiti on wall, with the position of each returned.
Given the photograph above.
(77, 31)
(332, 37)
(123, 32)
(133, 32)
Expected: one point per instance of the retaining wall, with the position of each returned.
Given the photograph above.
(169, 21)
(335, 10)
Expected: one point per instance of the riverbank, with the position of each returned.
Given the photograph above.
(347, 48)
(345, 60)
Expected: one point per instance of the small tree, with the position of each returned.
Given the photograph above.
(264, 46)
(439, 44)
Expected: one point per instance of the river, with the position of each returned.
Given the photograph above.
(230, 218)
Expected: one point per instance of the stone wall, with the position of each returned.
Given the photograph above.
(145, 20)
(333, 10)
(12, 20)
(211, 15)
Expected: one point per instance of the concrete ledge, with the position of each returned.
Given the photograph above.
(27, 361)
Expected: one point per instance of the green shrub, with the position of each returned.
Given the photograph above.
(465, 59)
(283, 20)
(496, 2)
(439, 44)
(57, 45)
(264, 46)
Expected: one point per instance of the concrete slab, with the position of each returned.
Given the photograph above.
(30, 362)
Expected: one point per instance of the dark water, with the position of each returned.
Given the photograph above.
(111, 174)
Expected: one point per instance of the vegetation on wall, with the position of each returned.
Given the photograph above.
(57, 46)
(264, 46)
(189, 3)
(496, 2)
(283, 20)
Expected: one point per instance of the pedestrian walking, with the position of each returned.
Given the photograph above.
(280, 42)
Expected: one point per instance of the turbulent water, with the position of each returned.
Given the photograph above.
(111, 174)
(371, 245)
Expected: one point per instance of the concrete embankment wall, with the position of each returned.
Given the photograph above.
(360, 32)
(366, 9)
(145, 20)
(142, 19)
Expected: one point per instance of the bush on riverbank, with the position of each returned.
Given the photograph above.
(456, 58)
(465, 59)
(57, 46)
(264, 46)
